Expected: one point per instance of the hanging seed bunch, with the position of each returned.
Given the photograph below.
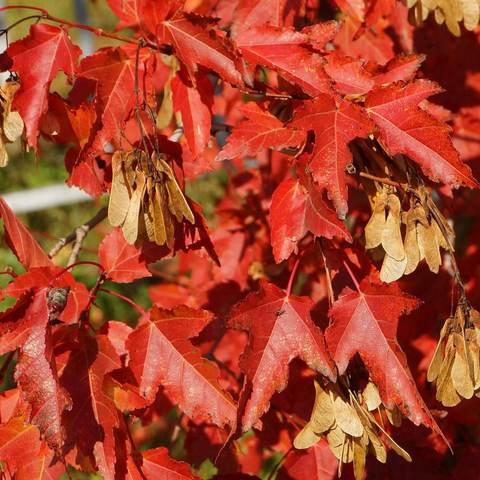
(455, 366)
(11, 123)
(450, 12)
(145, 199)
(350, 427)
(407, 236)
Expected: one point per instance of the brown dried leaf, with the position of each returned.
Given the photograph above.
(306, 438)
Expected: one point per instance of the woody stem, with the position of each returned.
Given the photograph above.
(96, 31)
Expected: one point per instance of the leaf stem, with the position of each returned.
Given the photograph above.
(292, 276)
(96, 31)
(352, 276)
(137, 307)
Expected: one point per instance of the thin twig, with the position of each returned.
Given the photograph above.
(386, 181)
(99, 32)
(73, 237)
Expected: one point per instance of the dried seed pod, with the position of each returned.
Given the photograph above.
(461, 375)
(428, 246)
(392, 269)
(376, 224)
(146, 189)
(439, 354)
(11, 125)
(391, 235)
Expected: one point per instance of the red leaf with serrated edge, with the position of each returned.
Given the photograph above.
(19, 441)
(36, 374)
(402, 68)
(93, 419)
(261, 130)
(144, 13)
(365, 322)
(78, 298)
(287, 52)
(316, 463)
(405, 128)
(157, 464)
(125, 263)
(280, 329)
(161, 354)
(49, 50)
(349, 75)
(252, 13)
(195, 104)
(196, 45)
(334, 128)
(23, 245)
(294, 212)
(114, 71)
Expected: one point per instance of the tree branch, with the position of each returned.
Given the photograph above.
(78, 236)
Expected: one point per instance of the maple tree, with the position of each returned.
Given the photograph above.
(320, 315)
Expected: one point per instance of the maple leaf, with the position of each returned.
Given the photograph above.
(50, 50)
(113, 70)
(334, 128)
(125, 263)
(195, 105)
(18, 442)
(158, 464)
(405, 128)
(350, 75)
(317, 463)
(294, 212)
(288, 52)
(196, 44)
(35, 372)
(252, 13)
(280, 329)
(365, 322)
(93, 420)
(401, 68)
(18, 238)
(160, 353)
(78, 297)
(260, 130)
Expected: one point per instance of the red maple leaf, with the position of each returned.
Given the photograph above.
(405, 128)
(334, 128)
(93, 422)
(289, 53)
(294, 212)
(196, 44)
(280, 329)
(158, 464)
(161, 354)
(365, 322)
(124, 262)
(19, 239)
(195, 104)
(260, 130)
(52, 45)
